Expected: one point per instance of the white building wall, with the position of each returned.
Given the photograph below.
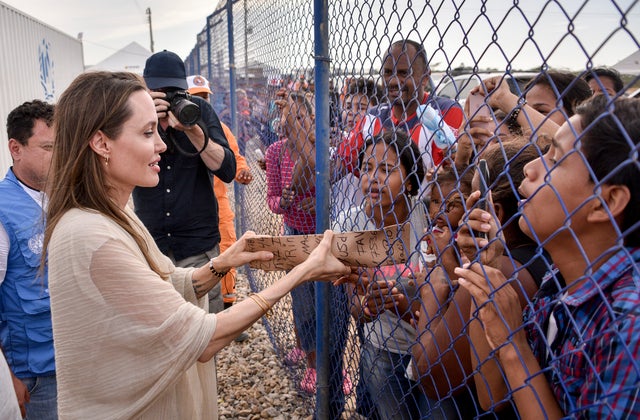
(36, 62)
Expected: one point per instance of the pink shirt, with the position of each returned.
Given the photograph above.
(279, 175)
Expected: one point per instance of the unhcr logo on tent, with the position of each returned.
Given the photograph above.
(46, 70)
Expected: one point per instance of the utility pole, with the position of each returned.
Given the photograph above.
(150, 28)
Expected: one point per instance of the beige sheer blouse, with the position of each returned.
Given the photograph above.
(126, 340)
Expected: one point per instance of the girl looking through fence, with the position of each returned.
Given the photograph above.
(297, 208)
(549, 99)
(384, 299)
(446, 359)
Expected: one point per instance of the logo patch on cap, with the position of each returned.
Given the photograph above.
(199, 81)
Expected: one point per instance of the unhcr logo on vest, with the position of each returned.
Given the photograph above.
(36, 243)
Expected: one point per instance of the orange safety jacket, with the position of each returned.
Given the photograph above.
(225, 217)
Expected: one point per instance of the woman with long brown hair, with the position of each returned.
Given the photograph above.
(132, 338)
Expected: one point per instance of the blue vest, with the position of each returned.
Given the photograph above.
(25, 311)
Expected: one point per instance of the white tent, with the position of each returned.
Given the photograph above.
(629, 65)
(130, 58)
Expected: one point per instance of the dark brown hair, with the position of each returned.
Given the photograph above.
(566, 86)
(95, 101)
(609, 141)
(506, 164)
(21, 120)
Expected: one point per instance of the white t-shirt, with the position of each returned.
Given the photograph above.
(388, 331)
(9, 408)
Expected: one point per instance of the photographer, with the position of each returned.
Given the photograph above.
(181, 212)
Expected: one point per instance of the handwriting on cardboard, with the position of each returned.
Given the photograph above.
(369, 248)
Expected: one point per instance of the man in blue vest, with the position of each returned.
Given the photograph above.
(25, 312)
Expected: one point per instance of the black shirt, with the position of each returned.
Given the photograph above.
(181, 212)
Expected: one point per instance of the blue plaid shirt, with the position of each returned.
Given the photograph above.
(593, 363)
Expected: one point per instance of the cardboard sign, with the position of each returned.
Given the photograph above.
(369, 248)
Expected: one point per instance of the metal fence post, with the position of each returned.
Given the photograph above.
(323, 292)
(209, 60)
(233, 105)
(233, 100)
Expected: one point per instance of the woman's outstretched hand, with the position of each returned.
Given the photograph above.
(237, 255)
(321, 264)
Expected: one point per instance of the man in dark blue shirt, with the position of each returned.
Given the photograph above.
(181, 212)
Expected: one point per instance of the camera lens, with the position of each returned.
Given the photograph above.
(186, 111)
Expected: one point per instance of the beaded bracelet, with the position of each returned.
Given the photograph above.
(219, 274)
(512, 122)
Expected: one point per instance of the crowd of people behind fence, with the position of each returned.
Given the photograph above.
(519, 297)
(544, 323)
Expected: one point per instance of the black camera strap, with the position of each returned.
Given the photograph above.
(168, 137)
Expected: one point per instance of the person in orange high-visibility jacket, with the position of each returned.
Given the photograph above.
(226, 216)
(199, 85)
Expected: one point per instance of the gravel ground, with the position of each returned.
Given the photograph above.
(252, 382)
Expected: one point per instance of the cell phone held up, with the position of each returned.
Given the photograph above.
(478, 110)
(483, 177)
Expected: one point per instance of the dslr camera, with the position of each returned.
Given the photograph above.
(180, 104)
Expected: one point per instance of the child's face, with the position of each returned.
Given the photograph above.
(382, 177)
(297, 109)
(543, 99)
(355, 108)
(557, 187)
(446, 206)
(605, 82)
(347, 119)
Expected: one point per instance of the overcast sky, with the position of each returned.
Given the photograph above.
(109, 25)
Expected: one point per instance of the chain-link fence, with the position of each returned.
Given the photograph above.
(421, 98)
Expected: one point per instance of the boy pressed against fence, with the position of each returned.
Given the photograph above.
(575, 350)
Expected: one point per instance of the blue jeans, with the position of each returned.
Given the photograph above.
(303, 306)
(396, 396)
(303, 302)
(43, 403)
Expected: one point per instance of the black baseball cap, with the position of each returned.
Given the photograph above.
(165, 70)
